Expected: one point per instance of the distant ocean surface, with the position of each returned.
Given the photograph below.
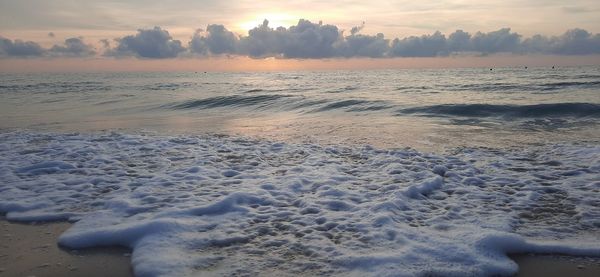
(380, 172)
(425, 109)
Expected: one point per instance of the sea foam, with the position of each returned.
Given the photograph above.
(217, 205)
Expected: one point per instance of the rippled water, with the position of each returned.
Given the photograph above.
(426, 109)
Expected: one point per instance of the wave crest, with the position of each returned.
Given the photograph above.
(555, 110)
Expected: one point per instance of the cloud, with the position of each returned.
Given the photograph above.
(197, 44)
(105, 43)
(495, 42)
(19, 48)
(73, 47)
(436, 44)
(458, 41)
(218, 40)
(263, 41)
(357, 45)
(308, 40)
(423, 46)
(572, 42)
(576, 42)
(357, 29)
(153, 43)
(304, 40)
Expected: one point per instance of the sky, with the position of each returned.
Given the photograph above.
(114, 33)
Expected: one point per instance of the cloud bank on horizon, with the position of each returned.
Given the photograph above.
(72, 47)
(308, 40)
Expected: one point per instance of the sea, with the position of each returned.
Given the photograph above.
(413, 172)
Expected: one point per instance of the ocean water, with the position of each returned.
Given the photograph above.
(383, 173)
(430, 110)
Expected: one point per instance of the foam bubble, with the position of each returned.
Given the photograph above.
(214, 205)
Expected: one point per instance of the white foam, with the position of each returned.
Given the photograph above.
(425, 188)
(214, 205)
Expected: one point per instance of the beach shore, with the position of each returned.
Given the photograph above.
(30, 249)
(556, 265)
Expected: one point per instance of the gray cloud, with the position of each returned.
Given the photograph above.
(497, 41)
(437, 44)
(218, 40)
(423, 46)
(357, 45)
(73, 47)
(572, 42)
(576, 42)
(263, 41)
(458, 41)
(357, 29)
(308, 40)
(197, 44)
(153, 43)
(316, 40)
(19, 48)
(304, 40)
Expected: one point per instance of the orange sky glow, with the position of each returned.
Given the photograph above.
(240, 64)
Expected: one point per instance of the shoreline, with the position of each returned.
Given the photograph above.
(551, 265)
(31, 249)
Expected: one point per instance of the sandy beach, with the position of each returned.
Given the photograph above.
(31, 250)
(556, 266)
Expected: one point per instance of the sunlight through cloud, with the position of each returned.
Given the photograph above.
(275, 20)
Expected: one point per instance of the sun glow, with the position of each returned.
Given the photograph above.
(275, 20)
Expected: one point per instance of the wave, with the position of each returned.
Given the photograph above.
(489, 87)
(562, 85)
(342, 104)
(168, 86)
(229, 101)
(354, 105)
(342, 89)
(577, 110)
(56, 87)
(300, 104)
(254, 90)
(517, 87)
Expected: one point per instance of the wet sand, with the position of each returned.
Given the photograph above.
(556, 266)
(31, 250)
